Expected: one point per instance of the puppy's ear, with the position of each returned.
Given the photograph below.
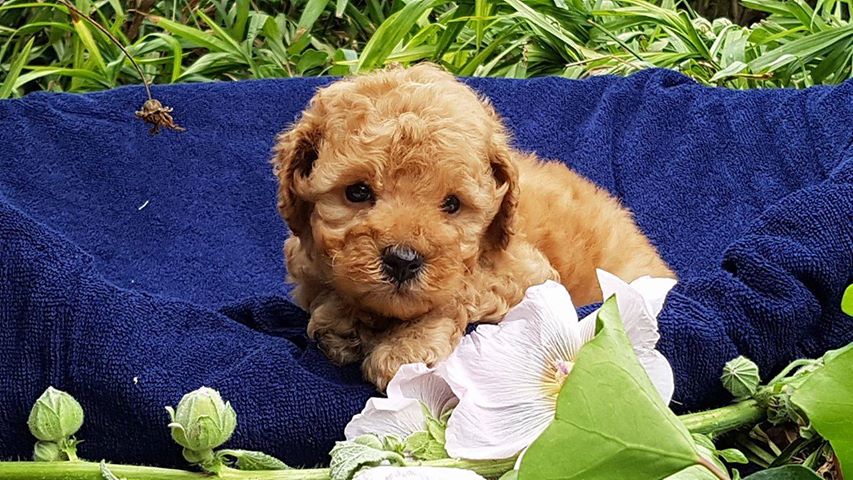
(294, 155)
(506, 178)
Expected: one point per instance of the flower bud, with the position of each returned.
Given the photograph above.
(48, 452)
(195, 456)
(55, 416)
(202, 421)
(740, 377)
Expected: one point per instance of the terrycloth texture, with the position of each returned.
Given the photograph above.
(134, 268)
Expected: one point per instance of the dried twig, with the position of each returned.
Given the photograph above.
(152, 111)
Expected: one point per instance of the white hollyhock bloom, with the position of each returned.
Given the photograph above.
(508, 376)
(416, 473)
(413, 388)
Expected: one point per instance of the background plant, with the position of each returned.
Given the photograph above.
(796, 44)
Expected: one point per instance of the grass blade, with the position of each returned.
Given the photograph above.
(191, 35)
(391, 32)
(177, 55)
(88, 40)
(313, 10)
(340, 7)
(803, 49)
(40, 71)
(8, 85)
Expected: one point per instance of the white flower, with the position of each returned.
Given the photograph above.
(413, 388)
(416, 473)
(508, 376)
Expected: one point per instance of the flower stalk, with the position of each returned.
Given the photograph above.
(712, 422)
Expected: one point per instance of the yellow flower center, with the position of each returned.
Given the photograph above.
(556, 377)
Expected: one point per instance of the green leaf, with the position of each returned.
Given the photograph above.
(847, 301)
(733, 455)
(177, 54)
(311, 59)
(788, 472)
(340, 6)
(733, 69)
(423, 446)
(242, 8)
(417, 442)
(344, 62)
(232, 46)
(610, 421)
(88, 40)
(349, 457)
(510, 475)
(545, 23)
(801, 49)
(393, 443)
(826, 397)
(192, 35)
(706, 448)
(392, 30)
(310, 13)
(433, 451)
(9, 84)
(252, 460)
(451, 33)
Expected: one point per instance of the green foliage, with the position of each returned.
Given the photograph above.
(826, 397)
(613, 425)
(788, 472)
(847, 301)
(367, 450)
(252, 460)
(42, 48)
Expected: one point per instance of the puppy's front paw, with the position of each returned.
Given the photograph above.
(339, 349)
(382, 363)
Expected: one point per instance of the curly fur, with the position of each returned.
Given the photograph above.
(416, 136)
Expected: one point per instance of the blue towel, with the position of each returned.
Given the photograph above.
(135, 268)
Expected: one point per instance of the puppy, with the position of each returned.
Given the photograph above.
(412, 216)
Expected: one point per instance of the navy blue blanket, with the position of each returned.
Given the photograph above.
(135, 268)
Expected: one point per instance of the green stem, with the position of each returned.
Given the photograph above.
(790, 368)
(721, 420)
(709, 465)
(91, 471)
(711, 422)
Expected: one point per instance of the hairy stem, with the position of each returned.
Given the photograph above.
(721, 420)
(92, 471)
(712, 422)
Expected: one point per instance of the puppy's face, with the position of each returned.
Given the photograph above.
(398, 181)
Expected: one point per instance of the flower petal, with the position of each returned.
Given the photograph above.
(387, 416)
(587, 326)
(637, 308)
(500, 373)
(416, 473)
(660, 373)
(654, 291)
(419, 382)
(478, 433)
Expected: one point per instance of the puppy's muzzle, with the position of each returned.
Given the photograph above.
(401, 264)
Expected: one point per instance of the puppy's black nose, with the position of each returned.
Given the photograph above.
(401, 264)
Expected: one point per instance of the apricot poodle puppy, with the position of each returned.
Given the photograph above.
(412, 216)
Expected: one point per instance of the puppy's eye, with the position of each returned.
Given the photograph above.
(359, 192)
(451, 204)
